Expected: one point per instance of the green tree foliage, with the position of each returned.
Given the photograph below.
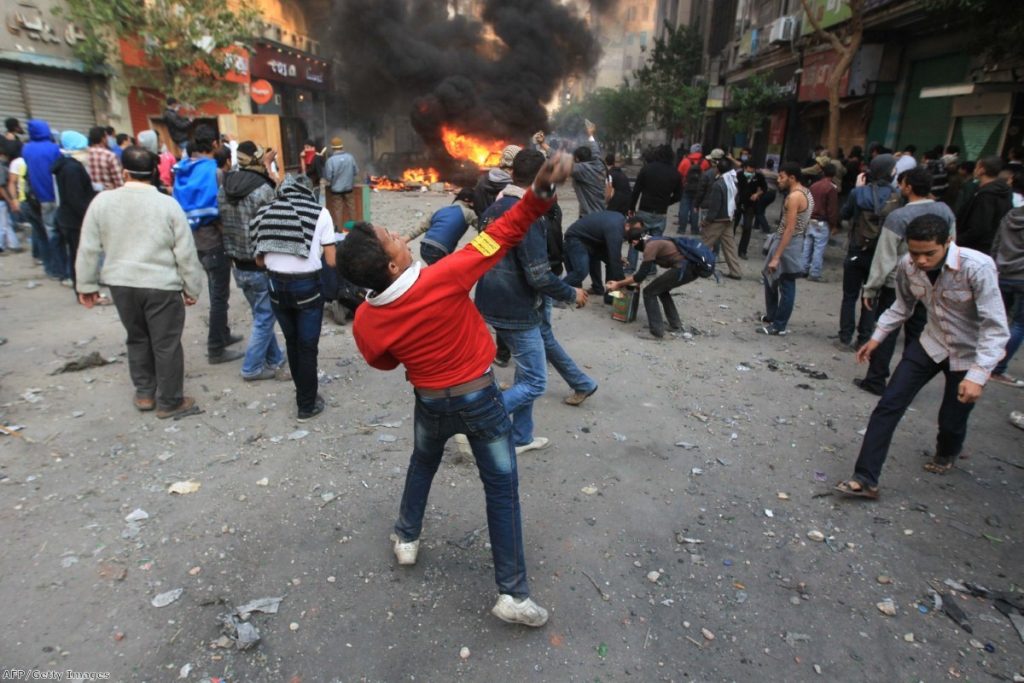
(668, 80)
(184, 41)
(994, 29)
(619, 113)
(753, 101)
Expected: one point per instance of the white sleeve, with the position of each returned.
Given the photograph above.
(324, 228)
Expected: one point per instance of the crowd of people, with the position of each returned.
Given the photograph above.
(934, 247)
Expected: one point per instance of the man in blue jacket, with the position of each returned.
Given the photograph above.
(515, 298)
(40, 154)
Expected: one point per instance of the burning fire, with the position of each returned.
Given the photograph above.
(411, 178)
(480, 151)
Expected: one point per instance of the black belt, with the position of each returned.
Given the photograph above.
(459, 389)
(314, 275)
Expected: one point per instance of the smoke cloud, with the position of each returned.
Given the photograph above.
(489, 77)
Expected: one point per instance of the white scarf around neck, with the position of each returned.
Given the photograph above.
(402, 284)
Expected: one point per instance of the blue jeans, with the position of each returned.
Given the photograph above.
(298, 306)
(1013, 298)
(263, 350)
(481, 416)
(556, 355)
(654, 224)
(577, 262)
(779, 300)
(56, 263)
(689, 214)
(8, 237)
(814, 246)
(531, 379)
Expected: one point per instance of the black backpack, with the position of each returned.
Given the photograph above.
(868, 225)
(692, 180)
(696, 253)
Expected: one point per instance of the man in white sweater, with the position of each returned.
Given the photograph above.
(151, 267)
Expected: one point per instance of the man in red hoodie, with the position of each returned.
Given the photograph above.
(423, 318)
(690, 170)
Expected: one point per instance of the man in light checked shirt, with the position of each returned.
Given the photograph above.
(964, 339)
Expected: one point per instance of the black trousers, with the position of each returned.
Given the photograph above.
(154, 320)
(914, 371)
(660, 290)
(856, 269)
(878, 368)
(218, 276)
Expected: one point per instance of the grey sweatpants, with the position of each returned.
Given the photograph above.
(154, 320)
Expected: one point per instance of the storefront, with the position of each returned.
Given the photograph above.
(291, 84)
(39, 74)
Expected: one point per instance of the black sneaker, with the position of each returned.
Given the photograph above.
(318, 407)
(234, 339)
(870, 388)
(772, 331)
(225, 356)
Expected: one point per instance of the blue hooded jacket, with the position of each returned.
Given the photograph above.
(195, 188)
(40, 153)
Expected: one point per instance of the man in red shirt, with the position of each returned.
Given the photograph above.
(423, 318)
(824, 222)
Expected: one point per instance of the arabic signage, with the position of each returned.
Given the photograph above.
(34, 28)
(236, 61)
(282, 65)
(832, 12)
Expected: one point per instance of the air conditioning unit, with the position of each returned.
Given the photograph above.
(782, 30)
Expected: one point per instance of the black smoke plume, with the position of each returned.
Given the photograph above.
(449, 70)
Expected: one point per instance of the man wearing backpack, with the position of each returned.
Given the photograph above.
(681, 269)
(879, 291)
(690, 170)
(866, 209)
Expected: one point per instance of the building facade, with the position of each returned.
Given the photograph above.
(913, 81)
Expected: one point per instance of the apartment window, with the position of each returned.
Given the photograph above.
(643, 39)
(627, 63)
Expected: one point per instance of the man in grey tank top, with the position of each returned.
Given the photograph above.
(784, 261)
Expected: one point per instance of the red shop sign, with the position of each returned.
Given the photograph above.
(261, 91)
(818, 68)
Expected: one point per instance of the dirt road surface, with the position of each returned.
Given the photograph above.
(666, 526)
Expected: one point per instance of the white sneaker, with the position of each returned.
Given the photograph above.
(524, 611)
(1017, 419)
(462, 442)
(405, 553)
(537, 444)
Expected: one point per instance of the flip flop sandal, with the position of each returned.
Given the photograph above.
(855, 489)
(939, 466)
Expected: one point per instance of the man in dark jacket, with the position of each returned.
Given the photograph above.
(750, 187)
(977, 224)
(593, 239)
(243, 193)
(75, 189)
(657, 187)
(1008, 251)
(515, 298)
(178, 126)
(621, 189)
(717, 225)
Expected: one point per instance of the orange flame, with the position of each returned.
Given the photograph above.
(381, 182)
(422, 176)
(482, 152)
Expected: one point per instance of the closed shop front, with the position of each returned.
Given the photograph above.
(926, 121)
(39, 75)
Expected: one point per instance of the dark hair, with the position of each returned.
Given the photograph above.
(991, 166)
(202, 139)
(910, 148)
(829, 170)
(525, 166)
(464, 195)
(1018, 182)
(122, 138)
(96, 135)
(222, 155)
(362, 259)
(609, 159)
(770, 164)
(723, 166)
(582, 153)
(109, 130)
(138, 162)
(309, 142)
(792, 168)
(856, 152)
(952, 149)
(11, 124)
(967, 166)
(919, 179)
(635, 220)
(882, 149)
(246, 147)
(1017, 152)
(928, 227)
(171, 101)
(633, 234)
(664, 153)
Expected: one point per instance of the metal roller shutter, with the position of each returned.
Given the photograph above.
(64, 100)
(11, 103)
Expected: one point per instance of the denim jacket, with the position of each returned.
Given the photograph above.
(509, 295)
